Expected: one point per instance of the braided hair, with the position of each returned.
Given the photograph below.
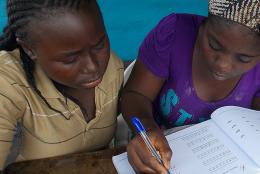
(20, 14)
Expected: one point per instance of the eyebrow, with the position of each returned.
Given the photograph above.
(71, 53)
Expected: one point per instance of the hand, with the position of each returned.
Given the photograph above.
(141, 158)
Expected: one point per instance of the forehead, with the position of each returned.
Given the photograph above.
(235, 36)
(68, 28)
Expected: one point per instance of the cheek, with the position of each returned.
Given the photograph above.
(59, 73)
(248, 67)
(206, 52)
(241, 68)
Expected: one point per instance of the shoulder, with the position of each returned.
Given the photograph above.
(251, 81)
(12, 78)
(169, 29)
(190, 20)
(12, 100)
(156, 51)
(169, 24)
(115, 62)
(256, 71)
(177, 18)
(7, 58)
(11, 67)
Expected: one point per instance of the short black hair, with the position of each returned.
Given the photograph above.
(20, 14)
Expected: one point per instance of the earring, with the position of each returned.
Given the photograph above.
(33, 57)
(31, 54)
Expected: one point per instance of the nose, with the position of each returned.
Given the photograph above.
(223, 63)
(89, 65)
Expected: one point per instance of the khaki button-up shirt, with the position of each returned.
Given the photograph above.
(44, 132)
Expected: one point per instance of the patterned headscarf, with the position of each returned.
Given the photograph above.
(245, 12)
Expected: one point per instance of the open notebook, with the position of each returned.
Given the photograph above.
(228, 143)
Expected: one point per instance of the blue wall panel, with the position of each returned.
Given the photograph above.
(128, 21)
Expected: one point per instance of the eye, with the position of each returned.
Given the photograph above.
(245, 59)
(70, 59)
(214, 45)
(100, 46)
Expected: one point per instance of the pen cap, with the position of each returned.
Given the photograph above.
(138, 125)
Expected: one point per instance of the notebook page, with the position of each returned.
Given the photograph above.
(243, 127)
(199, 149)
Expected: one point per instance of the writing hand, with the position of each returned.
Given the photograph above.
(141, 158)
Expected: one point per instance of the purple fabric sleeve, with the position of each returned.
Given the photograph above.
(154, 51)
(257, 94)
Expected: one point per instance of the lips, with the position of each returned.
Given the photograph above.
(91, 83)
(219, 76)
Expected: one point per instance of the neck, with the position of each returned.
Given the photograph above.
(73, 93)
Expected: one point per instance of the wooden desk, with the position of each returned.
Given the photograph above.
(85, 163)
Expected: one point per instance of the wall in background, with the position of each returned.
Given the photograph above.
(3, 18)
(129, 21)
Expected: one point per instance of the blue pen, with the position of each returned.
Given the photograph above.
(141, 130)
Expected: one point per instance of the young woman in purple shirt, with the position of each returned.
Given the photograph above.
(187, 67)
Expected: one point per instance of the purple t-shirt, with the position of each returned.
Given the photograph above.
(167, 52)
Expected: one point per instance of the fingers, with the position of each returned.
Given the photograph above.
(166, 154)
(141, 158)
(166, 158)
(162, 146)
(137, 164)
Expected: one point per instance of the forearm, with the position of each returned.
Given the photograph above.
(134, 103)
(5, 146)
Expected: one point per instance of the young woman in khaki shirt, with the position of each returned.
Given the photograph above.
(59, 80)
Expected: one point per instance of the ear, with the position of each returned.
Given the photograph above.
(27, 49)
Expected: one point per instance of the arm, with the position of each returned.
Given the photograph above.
(11, 109)
(137, 97)
(141, 89)
(256, 103)
(7, 130)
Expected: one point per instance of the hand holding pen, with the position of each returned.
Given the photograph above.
(144, 156)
